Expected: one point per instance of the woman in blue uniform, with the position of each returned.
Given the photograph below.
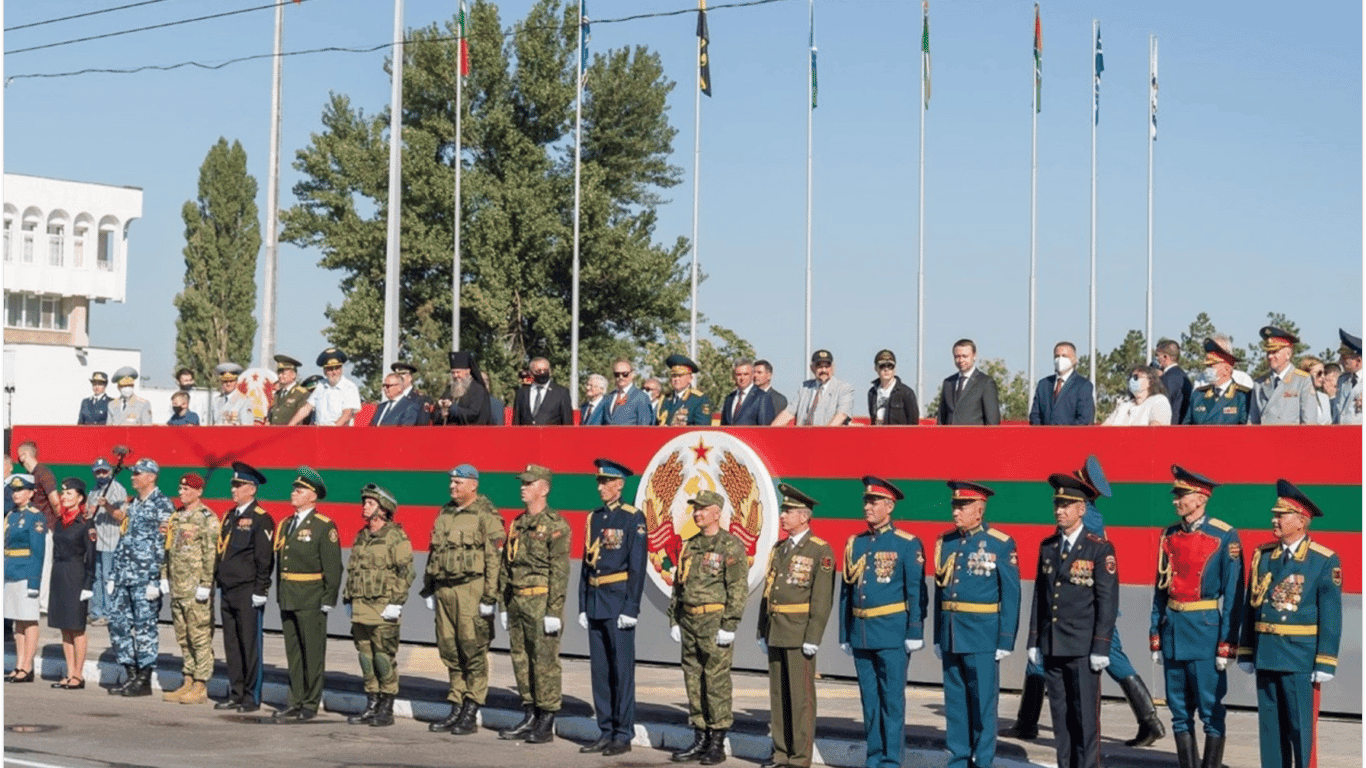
(25, 542)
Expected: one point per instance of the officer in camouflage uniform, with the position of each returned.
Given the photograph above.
(191, 549)
(136, 581)
(461, 587)
(289, 395)
(707, 605)
(535, 580)
(377, 580)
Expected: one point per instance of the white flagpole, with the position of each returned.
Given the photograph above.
(1033, 207)
(920, 270)
(1152, 139)
(574, 291)
(273, 197)
(696, 186)
(455, 261)
(810, 110)
(1095, 121)
(391, 248)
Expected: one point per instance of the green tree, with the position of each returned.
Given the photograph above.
(222, 238)
(1193, 341)
(516, 210)
(1012, 389)
(1256, 357)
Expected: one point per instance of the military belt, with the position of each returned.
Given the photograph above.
(611, 578)
(1267, 628)
(528, 591)
(302, 576)
(790, 608)
(17, 553)
(1192, 605)
(957, 607)
(698, 610)
(881, 610)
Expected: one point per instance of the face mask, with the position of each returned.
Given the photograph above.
(1135, 385)
(541, 378)
(1153, 362)
(1062, 365)
(126, 392)
(103, 480)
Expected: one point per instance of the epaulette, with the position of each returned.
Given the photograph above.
(1270, 545)
(905, 535)
(1314, 546)
(628, 507)
(998, 534)
(1092, 537)
(1298, 372)
(260, 510)
(1215, 522)
(819, 541)
(694, 391)
(1240, 388)
(1204, 388)
(322, 517)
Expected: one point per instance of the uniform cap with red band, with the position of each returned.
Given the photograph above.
(1185, 481)
(965, 491)
(877, 488)
(1274, 338)
(1292, 499)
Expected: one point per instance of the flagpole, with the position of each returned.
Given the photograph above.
(455, 261)
(1095, 33)
(920, 270)
(574, 292)
(1152, 139)
(696, 166)
(391, 247)
(810, 112)
(273, 197)
(1033, 189)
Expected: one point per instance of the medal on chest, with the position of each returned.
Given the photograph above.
(1287, 595)
(981, 562)
(884, 565)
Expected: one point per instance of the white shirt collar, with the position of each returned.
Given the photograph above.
(1294, 546)
(796, 538)
(1071, 538)
(969, 373)
(299, 515)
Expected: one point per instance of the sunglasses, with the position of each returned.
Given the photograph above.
(885, 366)
(621, 374)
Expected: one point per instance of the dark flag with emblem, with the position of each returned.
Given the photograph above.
(703, 64)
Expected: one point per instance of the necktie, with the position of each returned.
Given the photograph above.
(536, 405)
(621, 400)
(811, 412)
(1288, 554)
(739, 398)
(1066, 548)
(1057, 387)
(962, 382)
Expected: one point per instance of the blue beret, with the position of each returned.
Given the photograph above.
(466, 471)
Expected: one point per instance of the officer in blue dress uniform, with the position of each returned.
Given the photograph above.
(1220, 400)
(25, 546)
(976, 618)
(685, 405)
(1197, 614)
(611, 579)
(882, 618)
(1292, 628)
(95, 409)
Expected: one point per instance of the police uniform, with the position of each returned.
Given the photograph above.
(611, 580)
(1072, 619)
(689, 407)
(799, 593)
(191, 548)
(233, 408)
(128, 411)
(25, 547)
(137, 575)
(286, 401)
(1196, 618)
(1290, 399)
(378, 576)
(245, 561)
(882, 620)
(1347, 402)
(308, 570)
(976, 619)
(1291, 633)
(95, 409)
(461, 582)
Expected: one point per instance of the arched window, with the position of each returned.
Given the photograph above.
(80, 235)
(57, 224)
(109, 242)
(32, 218)
(11, 215)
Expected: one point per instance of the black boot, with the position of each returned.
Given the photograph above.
(1187, 755)
(715, 752)
(384, 711)
(520, 730)
(542, 728)
(1214, 752)
(141, 684)
(1031, 704)
(469, 720)
(130, 674)
(368, 714)
(700, 737)
(457, 711)
(1141, 702)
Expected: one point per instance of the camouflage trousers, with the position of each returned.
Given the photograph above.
(133, 625)
(377, 645)
(706, 672)
(535, 655)
(462, 639)
(194, 633)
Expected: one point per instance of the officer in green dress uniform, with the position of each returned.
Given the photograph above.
(799, 591)
(309, 570)
(1292, 628)
(1220, 400)
(378, 576)
(289, 394)
(684, 405)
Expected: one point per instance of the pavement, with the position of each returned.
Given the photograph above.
(661, 709)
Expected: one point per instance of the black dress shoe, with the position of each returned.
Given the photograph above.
(616, 748)
(249, 705)
(771, 763)
(289, 713)
(229, 704)
(305, 715)
(597, 746)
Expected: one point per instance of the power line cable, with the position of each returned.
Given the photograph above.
(153, 26)
(83, 15)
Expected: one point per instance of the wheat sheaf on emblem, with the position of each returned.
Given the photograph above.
(746, 521)
(664, 542)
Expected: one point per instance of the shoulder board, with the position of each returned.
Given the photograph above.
(1298, 372)
(1215, 522)
(998, 534)
(1269, 546)
(1204, 388)
(322, 517)
(260, 510)
(1240, 388)
(905, 535)
(818, 541)
(694, 391)
(1314, 546)
(628, 507)
(1092, 537)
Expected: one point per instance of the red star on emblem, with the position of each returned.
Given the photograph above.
(701, 450)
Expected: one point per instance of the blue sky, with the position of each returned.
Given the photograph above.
(1258, 162)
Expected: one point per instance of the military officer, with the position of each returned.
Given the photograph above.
(229, 407)
(535, 581)
(707, 604)
(799, 592)
(289, 395)
(1196, 616)
(25, 546)
(378, 577)
(611, 580)
(245, 561)
(461, 587)
(1347, 402)
(128, 409)
(882, 618)
(1076, 598)
(1291, 629)
(976, 618)
(308, 568)
(685, 405)
(95, 409)
(136, 580)
(1285, 394)
(1220, 400)
(187, 578)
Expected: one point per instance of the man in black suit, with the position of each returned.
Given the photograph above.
(763, 379)
(1066, 397)
(543, 402)
(969, 396)
(754, 406)
(396, 410)
(1178, 384)
(406, 372)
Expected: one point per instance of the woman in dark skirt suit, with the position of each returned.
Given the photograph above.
(72, 579)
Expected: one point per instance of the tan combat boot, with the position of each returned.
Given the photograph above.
(178, 693)
(198, 694)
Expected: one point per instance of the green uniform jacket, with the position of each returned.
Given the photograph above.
(381, 566)
(537, 555)
(466, 544)
(286, 405)
(191, 550)
(694, 410)
(798, 593)
(308, 565)
(1208, 407)
(713, 570)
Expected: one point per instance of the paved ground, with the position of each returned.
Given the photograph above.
(661, 712)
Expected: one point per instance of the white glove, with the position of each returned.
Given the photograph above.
(626, 622)
(763, 646)
(1001, 653)
(325, 608)
(503, 619)
(1247, 667)
(552, 625)
(583, 620)
(34, 593)
(391, 612)
(86, 595)
(1221, 663)
(914, 645)
(1035, 657)
(165, 587)
(724, 638)
(431, 604)
(201, 594)
(1320, 677)
(151, 593)
(486, 609)
(1099, 662)
(109, 587)
(258, 601)
(1157, 657)
(809, 649)
(938, 651)
(676, 634)
(847, 648)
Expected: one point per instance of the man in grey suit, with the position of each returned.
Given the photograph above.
(1285, 395)
(969, 396)
(628, 404)
(1348, 398)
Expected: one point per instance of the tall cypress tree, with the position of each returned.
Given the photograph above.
(222, 238)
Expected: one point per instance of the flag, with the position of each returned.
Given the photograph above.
(585, 34)
(1152, 95)
(464, 44)
(813, 57)
(703, 65)
(1100, 67)
(925, 53)
(1038, 61)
